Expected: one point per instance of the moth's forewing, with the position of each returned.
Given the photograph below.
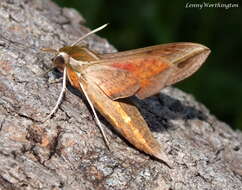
(156, 67)
(124, 116)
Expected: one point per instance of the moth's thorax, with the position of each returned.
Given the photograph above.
(78, 65)
(63, 59)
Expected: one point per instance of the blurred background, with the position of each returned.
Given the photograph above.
(135, 24)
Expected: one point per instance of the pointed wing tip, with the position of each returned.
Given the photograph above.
(196, 46)
(200, 47)
(196, 49)
(204, 50)
(161, 156)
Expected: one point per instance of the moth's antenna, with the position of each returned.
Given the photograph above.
(50, 50)
(89, 33)
(60, 97)
(95, 116)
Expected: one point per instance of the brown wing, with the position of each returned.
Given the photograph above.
(126, 77)
(142, 72)
(186, 56)
(115, 83)
(156, 67)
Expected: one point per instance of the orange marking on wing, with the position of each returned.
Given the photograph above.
(125, 65)
(143, 68)
(73, 78)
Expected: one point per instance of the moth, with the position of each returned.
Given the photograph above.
(106, 79)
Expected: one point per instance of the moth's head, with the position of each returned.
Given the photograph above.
(62, 57)
(61, 60)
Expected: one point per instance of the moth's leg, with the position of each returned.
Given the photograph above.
(96, 117)
(60, 97)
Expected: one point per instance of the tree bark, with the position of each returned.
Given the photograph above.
(68, 152)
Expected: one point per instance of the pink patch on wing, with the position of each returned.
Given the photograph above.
(136, 63)
(152, 65)
(125, 65)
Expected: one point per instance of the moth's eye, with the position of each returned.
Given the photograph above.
(59, 59)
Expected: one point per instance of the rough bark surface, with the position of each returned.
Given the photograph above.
(68, 151)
